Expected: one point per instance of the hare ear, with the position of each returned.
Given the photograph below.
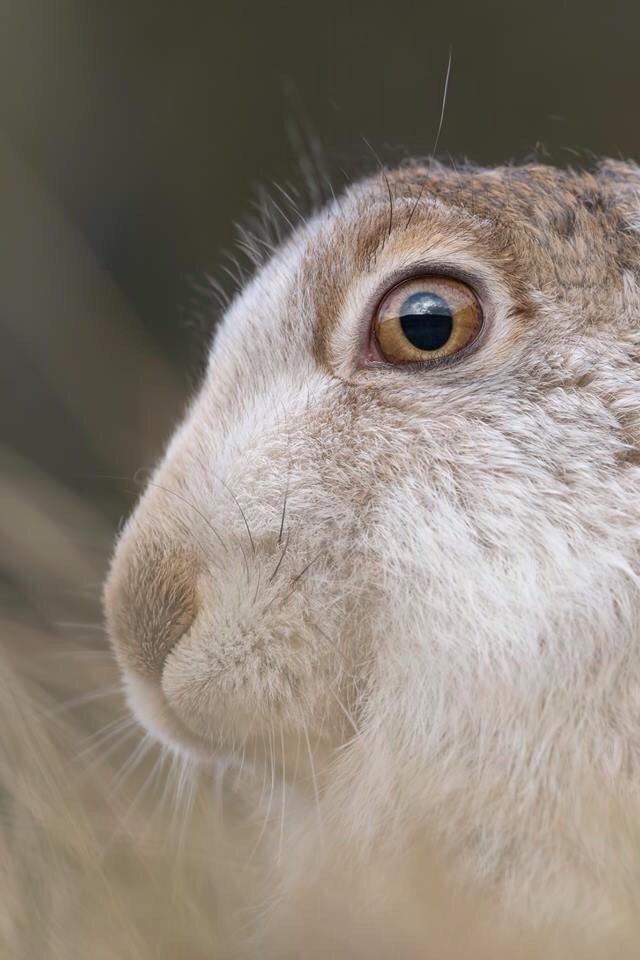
(623, 178)
(620, 181)
(620, 171)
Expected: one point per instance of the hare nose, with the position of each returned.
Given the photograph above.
(150, 603)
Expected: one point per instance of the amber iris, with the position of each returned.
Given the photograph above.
(425, 319)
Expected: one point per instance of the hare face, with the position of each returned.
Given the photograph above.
(430, 565)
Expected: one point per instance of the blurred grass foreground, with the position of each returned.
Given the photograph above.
(108, 849)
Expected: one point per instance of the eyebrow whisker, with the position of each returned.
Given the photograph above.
(444, 102)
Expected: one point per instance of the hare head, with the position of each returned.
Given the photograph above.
(399, 524)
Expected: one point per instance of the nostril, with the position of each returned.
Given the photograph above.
(150, 602)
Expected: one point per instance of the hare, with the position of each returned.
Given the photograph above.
(391, 556)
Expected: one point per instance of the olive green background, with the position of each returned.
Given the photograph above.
(133, 135)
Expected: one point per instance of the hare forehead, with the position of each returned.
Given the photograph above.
(539, 230)
(544, 242)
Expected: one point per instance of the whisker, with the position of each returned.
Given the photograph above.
(388, 185)
(121, 735)
(186, 791)
(105, 733)
(75, 625)
(296, 766)
(282, 213)
(244, 557)
(290, 200)
(264, 772)
(415, 206)
(85, 698)
(241, 766)
(332, 643)
(304, 569)
(242, 513)
(258, 585)
(126, 735)
(169, 781)
(267, 815)
(81, 654)
(293, 583)
(314, 780)
(437, 138)
(444, 101)
(193, 507)
(295, 580)
(156, 774)
(190, 534)
(136, 757)
(180, 791)
(140, 794)
(284, 794)
(344, 710)
(219, 770)
(279, 563)
(284, 509)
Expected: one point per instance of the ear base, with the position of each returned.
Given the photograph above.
(622, 170)
(623, 175)
(620, 180)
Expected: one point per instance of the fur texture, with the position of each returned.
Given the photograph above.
(412, 595)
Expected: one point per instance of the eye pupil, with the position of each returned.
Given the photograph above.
(426, 320)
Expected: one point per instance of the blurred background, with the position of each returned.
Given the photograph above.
(133, 135)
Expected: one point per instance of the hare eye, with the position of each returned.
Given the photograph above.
(425, 319)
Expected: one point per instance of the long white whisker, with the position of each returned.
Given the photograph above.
(264, 772)
(297, 763)
(156, 772)
(238, 776)
(169, 777)
(267, 814)
(80, 654)
(141, 792)
(119, 742)
(102, 737)
(284, 793)
(75, 625)
(346, 712)
(85, 698)
(314, 779)
(184, 788)
(135, 759)
(188, 781)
